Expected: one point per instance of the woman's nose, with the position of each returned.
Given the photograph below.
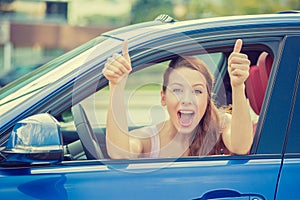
(186, 98)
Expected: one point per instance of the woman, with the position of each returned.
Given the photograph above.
(195, 126)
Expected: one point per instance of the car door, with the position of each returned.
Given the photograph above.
(288, 185)
(212, 177)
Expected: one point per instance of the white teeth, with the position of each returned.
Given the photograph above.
(186, 112)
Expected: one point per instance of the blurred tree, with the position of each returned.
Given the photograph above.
(295, 4)
(146, 10)
(236, 7)
(100, 20)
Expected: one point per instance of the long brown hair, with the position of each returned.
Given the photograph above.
(208, 137)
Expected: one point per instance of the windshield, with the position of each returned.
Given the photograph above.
(33, 82)
(31, 77)
(44, 88)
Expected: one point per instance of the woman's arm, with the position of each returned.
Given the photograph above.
(119, 143)
(239, 138)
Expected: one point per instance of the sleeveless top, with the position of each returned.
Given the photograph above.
(155, 140)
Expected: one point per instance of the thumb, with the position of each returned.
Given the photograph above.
(238, 46)
(125, 51)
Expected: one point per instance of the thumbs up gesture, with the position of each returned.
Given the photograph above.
(118, 66)
(238, 65)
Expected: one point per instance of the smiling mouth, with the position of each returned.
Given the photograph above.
(185, 117)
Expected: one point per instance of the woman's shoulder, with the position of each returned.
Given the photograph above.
(144, 132)
(144, 136)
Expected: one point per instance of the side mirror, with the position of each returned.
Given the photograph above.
(34, 140)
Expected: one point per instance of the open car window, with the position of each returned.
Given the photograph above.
(142, 94)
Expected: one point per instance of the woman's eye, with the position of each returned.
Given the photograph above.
(197, 91)
(177, 90)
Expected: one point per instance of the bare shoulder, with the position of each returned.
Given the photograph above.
(140, 139)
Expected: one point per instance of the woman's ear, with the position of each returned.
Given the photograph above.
(162, 98)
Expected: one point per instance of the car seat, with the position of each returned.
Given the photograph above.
(257, 81)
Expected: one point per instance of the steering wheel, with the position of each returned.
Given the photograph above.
(86, 135)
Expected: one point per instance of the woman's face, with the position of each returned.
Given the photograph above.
(185, 98)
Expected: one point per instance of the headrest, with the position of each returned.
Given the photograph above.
(265, 62)
(257, 81)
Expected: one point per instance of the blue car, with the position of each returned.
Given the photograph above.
(53, 120)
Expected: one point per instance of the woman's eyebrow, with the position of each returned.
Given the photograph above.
(175, 83)
(199, 84)
(194, 85)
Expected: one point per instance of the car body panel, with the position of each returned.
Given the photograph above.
(288, 185)
(190, 179)
(290, 173)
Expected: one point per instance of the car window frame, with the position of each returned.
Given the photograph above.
(270, 44)
(138, 57)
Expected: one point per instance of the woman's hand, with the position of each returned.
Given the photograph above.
(118, 66)
(238, 65)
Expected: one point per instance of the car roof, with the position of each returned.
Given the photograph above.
(279, 20)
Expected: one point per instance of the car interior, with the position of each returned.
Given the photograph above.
(87, 141)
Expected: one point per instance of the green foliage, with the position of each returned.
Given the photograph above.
(237, 7)
(98, 20)
(147, 10)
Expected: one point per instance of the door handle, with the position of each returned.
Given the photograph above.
(229, 194)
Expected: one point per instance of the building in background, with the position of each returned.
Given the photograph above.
(33, 32)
